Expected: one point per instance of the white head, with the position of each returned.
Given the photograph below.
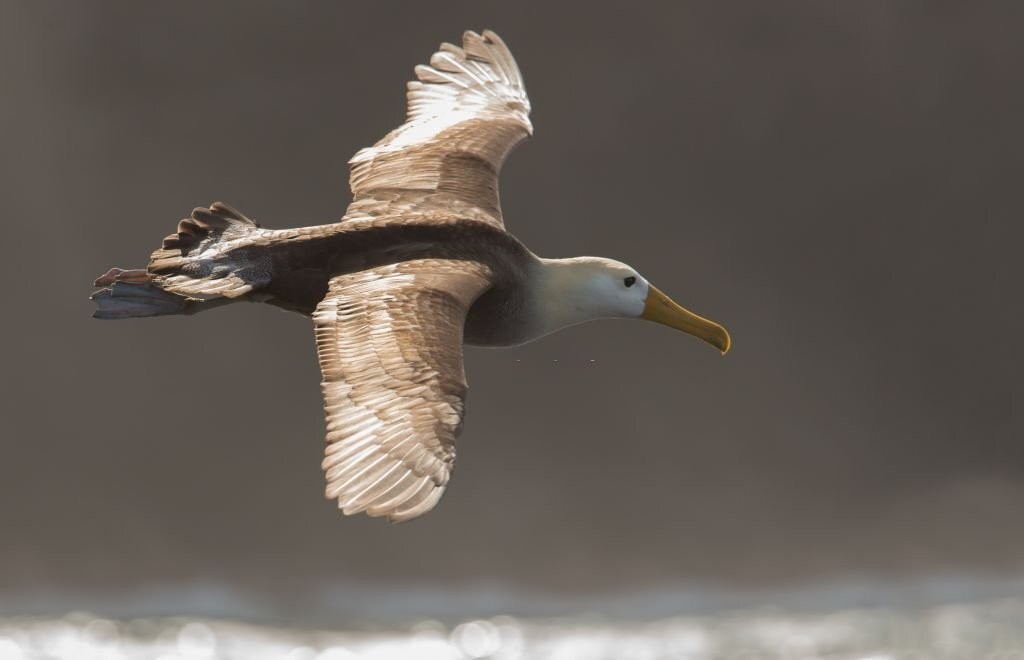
(587, 288)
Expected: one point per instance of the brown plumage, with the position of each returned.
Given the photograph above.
(420, 263)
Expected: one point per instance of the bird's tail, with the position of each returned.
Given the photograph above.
(202, 259)
(132, 294)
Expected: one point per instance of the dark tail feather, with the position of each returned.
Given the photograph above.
(204, 222)
(139, 292)
(131, 295)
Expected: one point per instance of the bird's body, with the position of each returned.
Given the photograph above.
(420, 264)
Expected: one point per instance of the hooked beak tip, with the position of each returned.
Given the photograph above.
(725, 342)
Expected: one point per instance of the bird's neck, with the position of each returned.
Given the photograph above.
(559, 295)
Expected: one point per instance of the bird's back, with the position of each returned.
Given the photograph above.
(292, 268)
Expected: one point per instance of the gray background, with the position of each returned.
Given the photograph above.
(836, 182)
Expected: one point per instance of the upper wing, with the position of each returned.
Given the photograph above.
(390, 346)
(467, 110)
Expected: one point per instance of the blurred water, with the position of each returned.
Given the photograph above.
(978, 631)
(801, 624)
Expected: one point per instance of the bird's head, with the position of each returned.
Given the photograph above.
(587, 288)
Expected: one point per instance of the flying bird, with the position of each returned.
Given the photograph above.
(420, 263)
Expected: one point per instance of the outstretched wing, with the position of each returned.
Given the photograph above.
(390, 346)
(466, 112)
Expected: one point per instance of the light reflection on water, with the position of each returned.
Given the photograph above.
(991, 630)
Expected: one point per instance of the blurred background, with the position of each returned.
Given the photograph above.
(836, 182)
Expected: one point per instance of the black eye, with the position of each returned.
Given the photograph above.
(629, 281)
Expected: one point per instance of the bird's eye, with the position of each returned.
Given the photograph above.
(629, 281)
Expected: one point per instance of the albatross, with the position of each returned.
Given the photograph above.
(420, 264)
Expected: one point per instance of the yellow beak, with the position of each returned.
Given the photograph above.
(661, 309)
